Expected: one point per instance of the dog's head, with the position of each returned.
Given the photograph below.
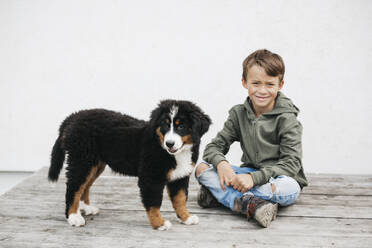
(179, 125)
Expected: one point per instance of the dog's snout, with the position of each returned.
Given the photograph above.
(170, 143)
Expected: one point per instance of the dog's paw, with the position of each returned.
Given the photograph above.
(165, 226)
(88, 209)
(76, 220)
(192, 220)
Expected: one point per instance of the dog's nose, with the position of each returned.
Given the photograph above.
(169, 143)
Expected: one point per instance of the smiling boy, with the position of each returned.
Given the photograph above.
(269, 133)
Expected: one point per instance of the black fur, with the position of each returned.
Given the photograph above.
(128, 145)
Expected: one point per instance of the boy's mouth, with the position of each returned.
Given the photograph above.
(261, 98)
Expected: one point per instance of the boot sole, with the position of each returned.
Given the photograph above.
(265, 214)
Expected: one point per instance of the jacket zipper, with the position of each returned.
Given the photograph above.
(255, 141)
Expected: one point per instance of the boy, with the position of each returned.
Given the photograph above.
(269, 133)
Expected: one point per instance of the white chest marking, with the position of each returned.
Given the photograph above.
(184, 165)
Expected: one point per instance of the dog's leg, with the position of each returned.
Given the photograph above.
(177, 192)
(85, 201)
(75, 189)
(156, 219)
(152, 196)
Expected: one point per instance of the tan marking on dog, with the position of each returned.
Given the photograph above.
(155, 218)
(167, 121)
(161, 136)
(187, 139)
(177, 122)
(169, 174)
(179, 204)
(85, 196)
(75, 204)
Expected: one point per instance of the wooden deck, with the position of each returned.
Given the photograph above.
(334, 211)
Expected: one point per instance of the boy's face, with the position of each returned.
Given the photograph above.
(262, 89)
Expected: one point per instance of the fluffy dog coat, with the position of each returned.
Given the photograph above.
(160, 152)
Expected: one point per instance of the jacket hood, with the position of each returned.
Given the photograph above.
(282, 105)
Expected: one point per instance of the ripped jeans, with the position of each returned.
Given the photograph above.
(286, 192)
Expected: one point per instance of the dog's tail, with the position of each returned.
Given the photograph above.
(56, 162)
(58, 153)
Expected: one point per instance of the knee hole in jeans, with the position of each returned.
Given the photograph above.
(273, 188)
(200, 168)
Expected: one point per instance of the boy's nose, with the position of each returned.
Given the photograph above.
(262, 88)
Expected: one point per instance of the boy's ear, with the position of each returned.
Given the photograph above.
(281, 84)
(244, 83)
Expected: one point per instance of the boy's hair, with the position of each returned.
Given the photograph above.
(271, 62)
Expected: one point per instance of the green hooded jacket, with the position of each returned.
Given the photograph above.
(271, 143)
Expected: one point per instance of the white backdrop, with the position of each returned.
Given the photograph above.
(57, 57)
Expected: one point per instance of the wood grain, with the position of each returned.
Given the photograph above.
(334, 211)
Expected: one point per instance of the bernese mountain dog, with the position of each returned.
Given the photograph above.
(160, 152)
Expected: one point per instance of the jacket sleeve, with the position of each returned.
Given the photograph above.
(290, 150)
(216, 150)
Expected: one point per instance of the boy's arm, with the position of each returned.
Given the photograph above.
(289, 162)
(216, 150)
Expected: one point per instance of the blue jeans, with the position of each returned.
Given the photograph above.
(286, 192)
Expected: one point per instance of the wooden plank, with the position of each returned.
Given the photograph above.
(108, 193)
(319, 183)
(339, 178)
(32, 215)
(121, 193)
(307, 206)
(131, 228)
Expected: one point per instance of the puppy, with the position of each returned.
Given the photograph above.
(160, 152)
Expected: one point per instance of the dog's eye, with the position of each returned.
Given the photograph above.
(180, 127)
(165, 123)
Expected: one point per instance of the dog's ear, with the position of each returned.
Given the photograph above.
(154, 117)
(200, 124)
(158, 113)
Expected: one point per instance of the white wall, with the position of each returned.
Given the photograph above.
(57, 57)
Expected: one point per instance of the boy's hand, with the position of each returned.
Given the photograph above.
(242, 182)
(225, 173)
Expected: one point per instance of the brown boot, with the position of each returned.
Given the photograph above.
(254, 207)
(206, 199)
